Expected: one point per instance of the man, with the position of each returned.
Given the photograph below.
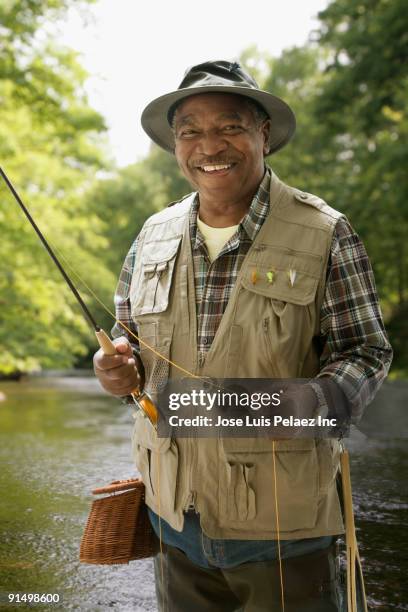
(247, 278)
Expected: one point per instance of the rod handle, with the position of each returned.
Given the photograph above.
(105, 342)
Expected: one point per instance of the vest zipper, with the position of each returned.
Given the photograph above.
(190, 503)
(265, 328)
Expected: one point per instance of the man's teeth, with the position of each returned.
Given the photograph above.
(216, 167)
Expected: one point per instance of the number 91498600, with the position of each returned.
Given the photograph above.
(30, 598)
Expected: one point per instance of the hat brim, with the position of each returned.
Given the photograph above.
(155, 123)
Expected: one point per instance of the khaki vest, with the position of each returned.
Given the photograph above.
(267, 331)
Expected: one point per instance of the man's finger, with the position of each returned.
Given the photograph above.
(125, 385)
(109, 362)
(122, 372)
(122, 347)
(122, 344)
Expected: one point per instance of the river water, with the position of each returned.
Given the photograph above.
(62, 437)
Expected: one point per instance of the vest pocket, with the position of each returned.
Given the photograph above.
(289, 285)
(241, 496)
(157, 268)
(247, 485)
(283, 315)
(157, 461)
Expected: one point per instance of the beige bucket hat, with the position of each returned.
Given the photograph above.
(217, 77)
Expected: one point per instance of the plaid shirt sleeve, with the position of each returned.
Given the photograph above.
(122, 301)
(356, 351)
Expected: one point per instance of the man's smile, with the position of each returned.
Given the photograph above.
(215, 169)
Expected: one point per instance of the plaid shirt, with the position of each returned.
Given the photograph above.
(355, 349)
(214, 282)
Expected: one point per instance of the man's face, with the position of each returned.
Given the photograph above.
(220, 145)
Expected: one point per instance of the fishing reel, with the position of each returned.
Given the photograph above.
(145, 403)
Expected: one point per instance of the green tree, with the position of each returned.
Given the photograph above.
(363, 103)
(51, 147)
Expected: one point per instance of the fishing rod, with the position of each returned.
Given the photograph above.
(140, 398)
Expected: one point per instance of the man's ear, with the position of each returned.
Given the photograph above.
(266, 127)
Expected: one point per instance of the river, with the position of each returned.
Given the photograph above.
(61, 437)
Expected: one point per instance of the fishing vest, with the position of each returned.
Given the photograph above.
(267, 331)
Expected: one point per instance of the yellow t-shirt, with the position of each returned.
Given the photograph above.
(215, 237)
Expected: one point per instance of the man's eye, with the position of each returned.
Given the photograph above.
(187, 133)
(232, 129)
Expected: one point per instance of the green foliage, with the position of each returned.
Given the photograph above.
(349, 93)
(364, 105)
(50, 146)
(368, 40)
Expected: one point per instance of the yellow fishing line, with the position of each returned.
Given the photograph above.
(277, 526)
(160, 534)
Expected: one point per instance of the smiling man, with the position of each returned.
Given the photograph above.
(220, 146)
(244, 278)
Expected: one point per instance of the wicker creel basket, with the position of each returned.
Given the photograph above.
(118, 529)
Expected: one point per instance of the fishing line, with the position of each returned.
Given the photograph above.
(164, 590)
(277, 527)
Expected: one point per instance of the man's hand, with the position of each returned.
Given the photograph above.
(299, 402)
(118, 374)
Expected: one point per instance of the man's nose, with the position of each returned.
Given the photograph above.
(212, 143)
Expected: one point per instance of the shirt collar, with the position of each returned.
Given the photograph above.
(259, 208)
